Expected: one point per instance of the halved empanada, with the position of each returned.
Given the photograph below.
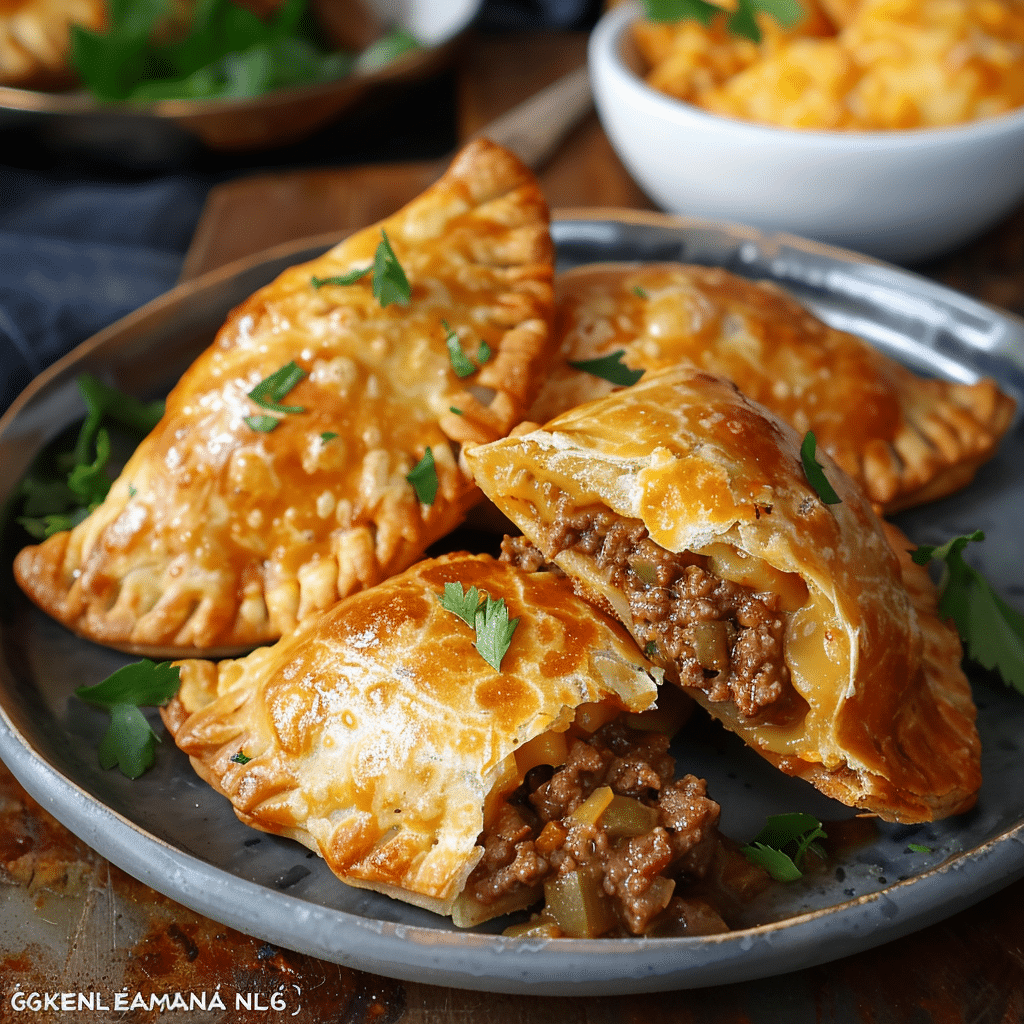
(905, 439)
(379, 736)
(220, 535)
(684, 507)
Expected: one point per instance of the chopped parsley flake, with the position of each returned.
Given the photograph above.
(815, 474)
(390, 284)
(461, 363)
(610, 368)
(423, 477)
(272, 390)
(263, 424)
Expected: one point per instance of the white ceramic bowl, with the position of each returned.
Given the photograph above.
(903, 196)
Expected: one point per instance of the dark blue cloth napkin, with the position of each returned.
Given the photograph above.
(75, 256)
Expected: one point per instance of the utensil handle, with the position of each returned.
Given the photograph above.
(534, 128)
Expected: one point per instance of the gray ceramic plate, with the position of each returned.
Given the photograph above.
(175, 834)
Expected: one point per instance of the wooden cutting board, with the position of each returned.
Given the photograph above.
(249, 214)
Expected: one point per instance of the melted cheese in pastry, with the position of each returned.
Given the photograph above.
(218, 536)
(905, 439)
(377, 734)
(840, 670)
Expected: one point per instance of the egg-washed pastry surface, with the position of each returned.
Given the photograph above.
(380, 737)
(220, 533)
(904, 438)
(684, 508)
(874, 65)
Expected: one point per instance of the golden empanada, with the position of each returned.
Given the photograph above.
(905, 439)
(219, 534)
(379, 736)
(685, 508)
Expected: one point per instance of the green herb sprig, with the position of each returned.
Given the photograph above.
(462, 365)
(270, 392)
(741, 22)
(129, 742)
(992, 631)
(815, 474)
(59, 493)
(227, 52)
(782, 846)
(423, 477)
(390, 283)
(610, 368)
(486, 616)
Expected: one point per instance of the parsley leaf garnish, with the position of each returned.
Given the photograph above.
(609, 368)
(461, 363)
(783, 844)
(129, 741)
(992, 631)
(262, 424)
(463, 604)
(918, 848)
(742, 21)
(240, 757)
(228, 51)
(815, 474)
(270, 391)
(390, 285)
(341, 279)
(59, 495)
(423, 477)
(494, 631)
(488, 618)
(389, 281)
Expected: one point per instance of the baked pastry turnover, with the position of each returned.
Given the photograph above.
(684, 508)
(380, 737)
(905, 439)
(254, 503)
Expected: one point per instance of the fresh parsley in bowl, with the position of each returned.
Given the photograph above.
(227, 51)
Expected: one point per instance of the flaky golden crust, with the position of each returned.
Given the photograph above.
(889, 725)
(216, 536)
(377, 734)
(905, 439)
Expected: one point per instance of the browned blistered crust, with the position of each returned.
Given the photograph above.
(377, 734)
(217, 537)
(904, 438)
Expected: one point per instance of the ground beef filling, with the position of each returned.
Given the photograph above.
(674, 875)
(715, 635)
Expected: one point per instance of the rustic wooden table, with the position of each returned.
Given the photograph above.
(969, 968)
